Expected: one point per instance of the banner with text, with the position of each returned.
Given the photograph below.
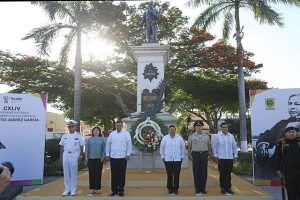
(271, 112)
(22, 135)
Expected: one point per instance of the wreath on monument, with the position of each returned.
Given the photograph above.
(147, 132)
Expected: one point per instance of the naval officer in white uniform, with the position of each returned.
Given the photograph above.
(71, 151)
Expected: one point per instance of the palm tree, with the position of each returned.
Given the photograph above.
(230, 10)
(77, 17)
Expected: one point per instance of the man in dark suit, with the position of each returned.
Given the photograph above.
(288, 162)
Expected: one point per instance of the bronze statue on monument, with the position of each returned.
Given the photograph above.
(149, 21)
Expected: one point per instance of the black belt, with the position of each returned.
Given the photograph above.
(199, 151)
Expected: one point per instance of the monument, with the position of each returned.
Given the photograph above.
(150, 121)
(149, 21)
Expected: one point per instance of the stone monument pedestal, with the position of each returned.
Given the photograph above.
(151, 59)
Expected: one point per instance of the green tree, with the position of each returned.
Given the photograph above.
(230, 10)
(77, 17)
(207, 97)
(36, 75)
(203, 78)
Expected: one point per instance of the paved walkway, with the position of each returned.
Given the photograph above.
(150, 185)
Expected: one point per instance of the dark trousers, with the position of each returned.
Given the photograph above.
(118, 172)
(173, 169)
(225, 168)
(95, 172)
(200, 170)
(293, 185)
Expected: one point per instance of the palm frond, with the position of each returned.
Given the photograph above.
(227, 25)
(288, 2)
(265, 14)
(196, 3)
(87, 14)
(64, 53)
(44, 36)
(54, 9)
(212, 14)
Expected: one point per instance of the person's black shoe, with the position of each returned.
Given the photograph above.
(203, 191)
(230, 191)
(113, 194)
(223, 191)
(121, 194)
(175, 192)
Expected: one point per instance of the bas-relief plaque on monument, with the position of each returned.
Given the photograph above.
(150, 72)
(149, 99)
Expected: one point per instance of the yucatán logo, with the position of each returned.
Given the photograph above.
(6, 99)
(9, 99)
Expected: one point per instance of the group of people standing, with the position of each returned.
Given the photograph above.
(117, 150)
(223, 148)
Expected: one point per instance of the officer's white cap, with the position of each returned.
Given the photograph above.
(71, 123)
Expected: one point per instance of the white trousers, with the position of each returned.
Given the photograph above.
(70, 166)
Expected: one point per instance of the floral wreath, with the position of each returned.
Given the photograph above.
(146, 133)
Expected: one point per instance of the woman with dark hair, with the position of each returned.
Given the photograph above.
(95, 153)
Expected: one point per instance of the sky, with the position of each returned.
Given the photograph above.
(277, 48)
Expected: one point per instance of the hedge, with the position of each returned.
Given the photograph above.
(56, 169)
(243, 166)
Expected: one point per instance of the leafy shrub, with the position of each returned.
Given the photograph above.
(52, 150)
(245, 157)
(243, 166)
(242, 169)
(53, 169)
(56, 168)
(81, 165)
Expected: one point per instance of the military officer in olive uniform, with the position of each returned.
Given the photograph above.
(70, 153)
(199, 151)
(288, 162)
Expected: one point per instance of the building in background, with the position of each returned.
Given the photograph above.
(56, 125)
(85, 130)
